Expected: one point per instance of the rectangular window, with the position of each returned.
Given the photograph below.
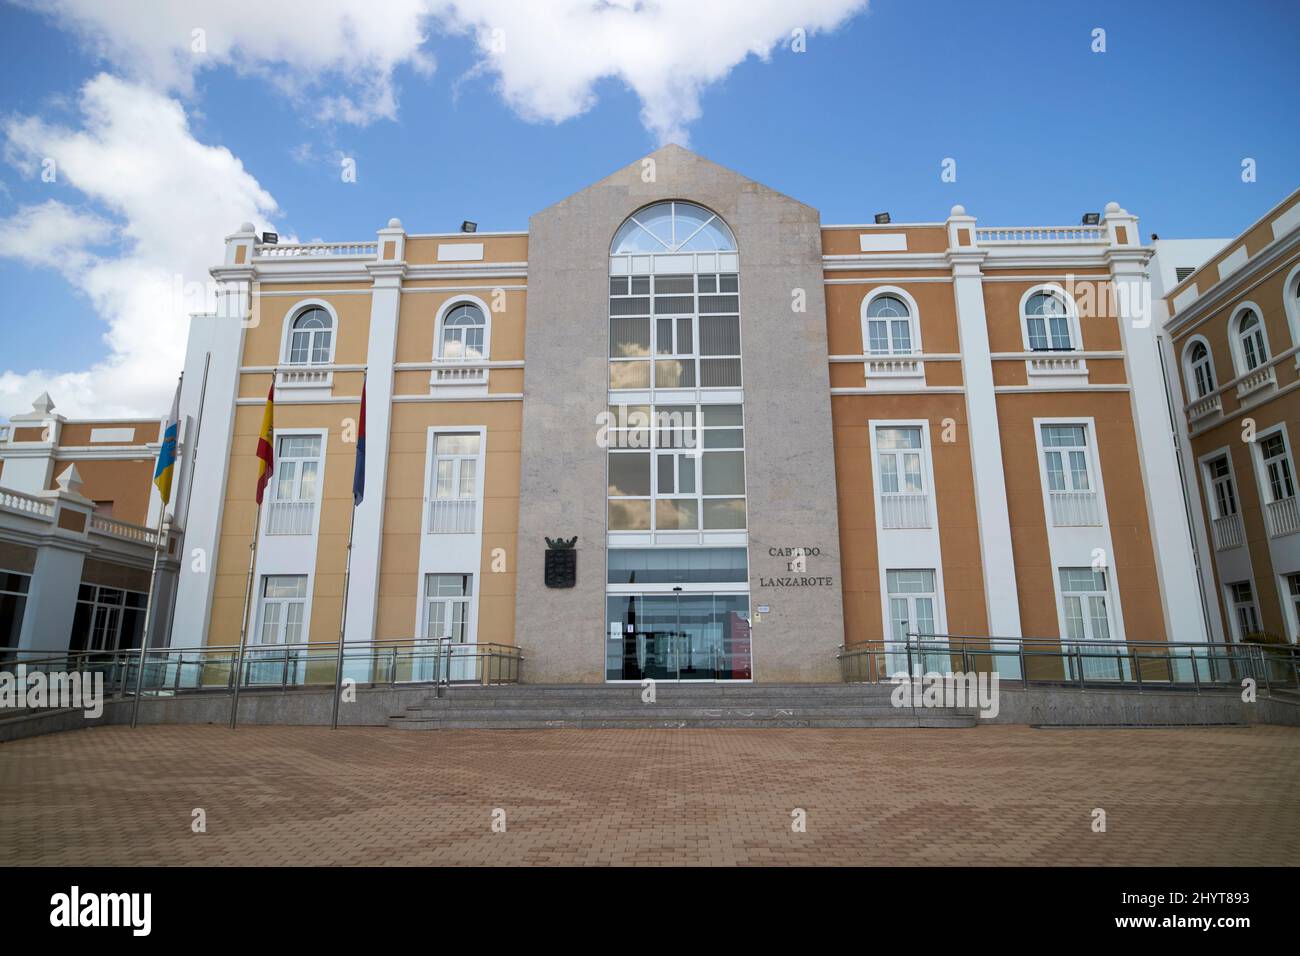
(297, 468)
(1293, 591)
(1245, 614)
(13, 602)
(1065, 448)
(911, 603)
(1083, 598)
(447, 598)
(1277, 467)
(284, 609)
(898, 452)
(676, 468)
(675, 331)
(1225, 495)
(453, 498)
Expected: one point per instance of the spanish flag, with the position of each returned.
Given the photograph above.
(162, 474)
(265, 450)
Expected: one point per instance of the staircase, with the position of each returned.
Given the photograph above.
(542, 706)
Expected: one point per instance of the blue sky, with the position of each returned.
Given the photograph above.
(1041, 129)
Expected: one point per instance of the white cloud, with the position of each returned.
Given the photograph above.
(172, 200)
(548, 56)
(339, 56)
(301, 47)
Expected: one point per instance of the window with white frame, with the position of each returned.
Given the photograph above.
(889, 326)
(1067, 464)
(1250, 341)
(311, 337)
(1277, 467)
(676, 468)
(1083, 603)
(297, 485)
(447, 607)
(283, 610)
(1047, 323)
(1293, 595)
(912, 602)
(1225, 494)
(1200, 369)
(901, 470)
(463, 333)
(454, 495)
(1245, 613)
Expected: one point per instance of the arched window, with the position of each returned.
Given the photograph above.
(673, 227)
(1048, 322)
(311, 337)
(889, 328)
(1200, 369)
(463, 331)
(1250, 341)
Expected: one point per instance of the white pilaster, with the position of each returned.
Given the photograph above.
(996, 556)
(220, 336)
(367, 536)
(1171, 538)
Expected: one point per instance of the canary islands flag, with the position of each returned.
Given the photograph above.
(265, 450)
(162, 474)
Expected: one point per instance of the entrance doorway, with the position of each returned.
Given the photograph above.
(678, 636)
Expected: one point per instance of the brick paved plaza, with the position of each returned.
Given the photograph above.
(993, 795)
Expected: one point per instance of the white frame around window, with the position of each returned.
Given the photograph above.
(1237, 341)
(913, 322)
(1073, 506)
(1226, 528)
(1071, 320)
(1291, 304)
(439, 327)
(900, 509)
(286, 337)
(459, 513)
(1237, 605)
(1289, 583)
(1277, 481)
(295, 515)
(284, 604)
(1198, 374)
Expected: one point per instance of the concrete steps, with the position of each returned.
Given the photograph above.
(530, 707)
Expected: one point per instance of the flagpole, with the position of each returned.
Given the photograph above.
(153, 578)
(267, 429)
(243, 626)
(347, 574)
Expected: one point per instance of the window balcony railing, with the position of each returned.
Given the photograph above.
(894, 366)
(304, 376)
(1228, 532)
(318, 250)
(458, 373)
(1075, 509)
(1283, 516)
(1058, 365)
(1256, 380)
(904, 511)
(290, 517)
(1204, 408)
(452, 515)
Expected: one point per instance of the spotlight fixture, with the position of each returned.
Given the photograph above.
(1091, 218)
(882, 218)
(468, 226)
(270, 238)
(1154, 237)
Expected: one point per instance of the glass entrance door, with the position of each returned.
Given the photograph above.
(680, 636)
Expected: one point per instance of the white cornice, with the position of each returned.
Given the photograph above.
(1257, 268)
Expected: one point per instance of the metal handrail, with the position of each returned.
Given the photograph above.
(172, 671)
(1145, 665)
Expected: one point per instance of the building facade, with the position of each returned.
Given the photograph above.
(770, 437)
(1233, 333)
(78, 525)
